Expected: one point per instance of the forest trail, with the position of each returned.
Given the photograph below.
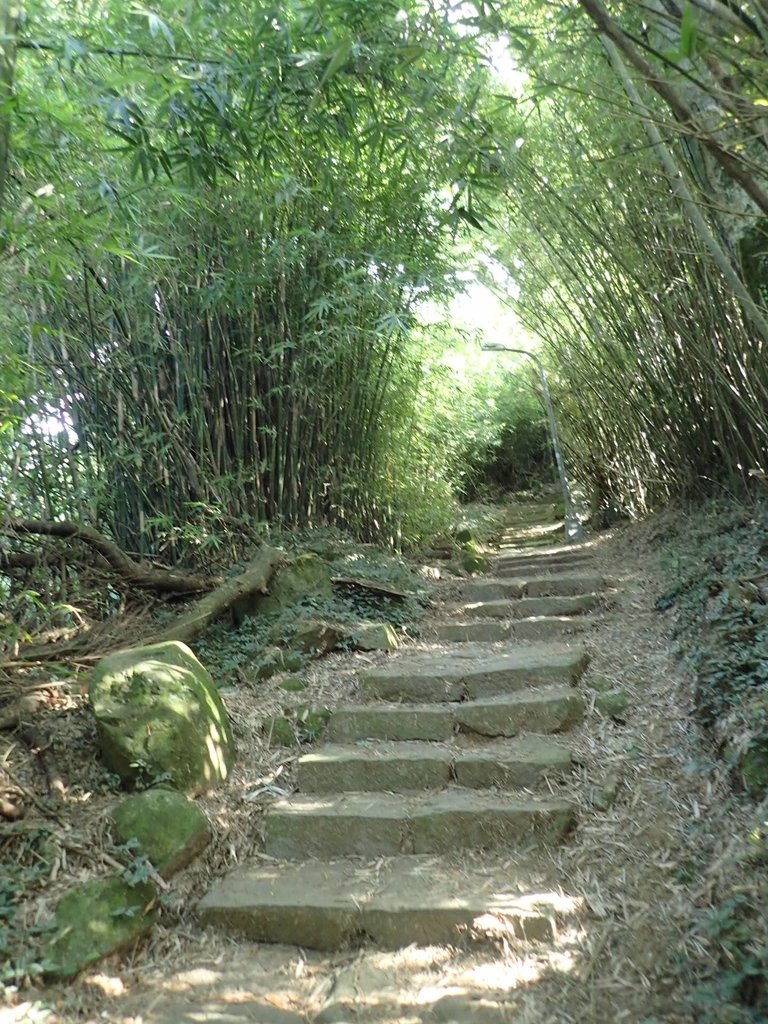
(488, 834)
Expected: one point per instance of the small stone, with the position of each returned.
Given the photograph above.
(280, 731)
(605, 797)
(170, 829)
(472, 562)
(374, 636)
(599, 683)
(311, 721)
(613, 703)
(294, 684)
(316, 636)
(98, 919)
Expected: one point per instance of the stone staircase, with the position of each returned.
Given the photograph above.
(444, 773)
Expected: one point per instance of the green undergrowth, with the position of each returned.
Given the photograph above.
(260, 646)
(716, 564)
(717, 567)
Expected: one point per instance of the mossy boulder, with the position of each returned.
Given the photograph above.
(306, 576)
(159, 716)
(98, 919)
(170, 830)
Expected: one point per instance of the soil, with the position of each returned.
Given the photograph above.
(634, 954)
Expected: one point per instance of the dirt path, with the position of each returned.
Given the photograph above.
(622, 946)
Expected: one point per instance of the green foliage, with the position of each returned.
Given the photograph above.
(256, 650)
(23, 875)
(738, 994)
(265, 198)
(718, 568)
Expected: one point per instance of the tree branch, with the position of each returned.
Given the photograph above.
(729, 163)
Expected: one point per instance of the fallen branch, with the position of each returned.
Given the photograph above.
(167, 581)
(254, 579)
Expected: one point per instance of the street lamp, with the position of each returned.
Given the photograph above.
(573, 528)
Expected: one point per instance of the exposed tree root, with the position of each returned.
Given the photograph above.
(138, 574)
(254, 579)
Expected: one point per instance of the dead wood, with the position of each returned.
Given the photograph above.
(143, 575)
(255, 579)
(40, 750)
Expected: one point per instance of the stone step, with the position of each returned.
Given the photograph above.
(530, 607)
(472, 632)
(570, 585)
(528, 561)
(547, 710)
(353, 722)
(469, 672)
(542, 627)
(551, 709)
(406, 767)
(382, 824)
(342, 904)
(512, 570)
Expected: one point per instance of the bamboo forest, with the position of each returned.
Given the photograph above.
(383, 513)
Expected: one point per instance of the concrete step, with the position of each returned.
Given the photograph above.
(469, 672)
(530, 607)
(568, 585)
(406, 767)
(342, 904)
(382, 824)
(547, 710)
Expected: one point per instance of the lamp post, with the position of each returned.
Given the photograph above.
(573, 528)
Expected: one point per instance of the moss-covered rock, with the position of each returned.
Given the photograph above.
(272, 660)
(311, 721)
(464, 537)
(316, 636)
(98, 919)
(374, 636)
(305, 576)
(599, 683)
(473, 562)
(159, 716)
(294, 684)
(612, 703)
(170, 830)
(280, 730)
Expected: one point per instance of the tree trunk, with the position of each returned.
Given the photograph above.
(10, 11)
